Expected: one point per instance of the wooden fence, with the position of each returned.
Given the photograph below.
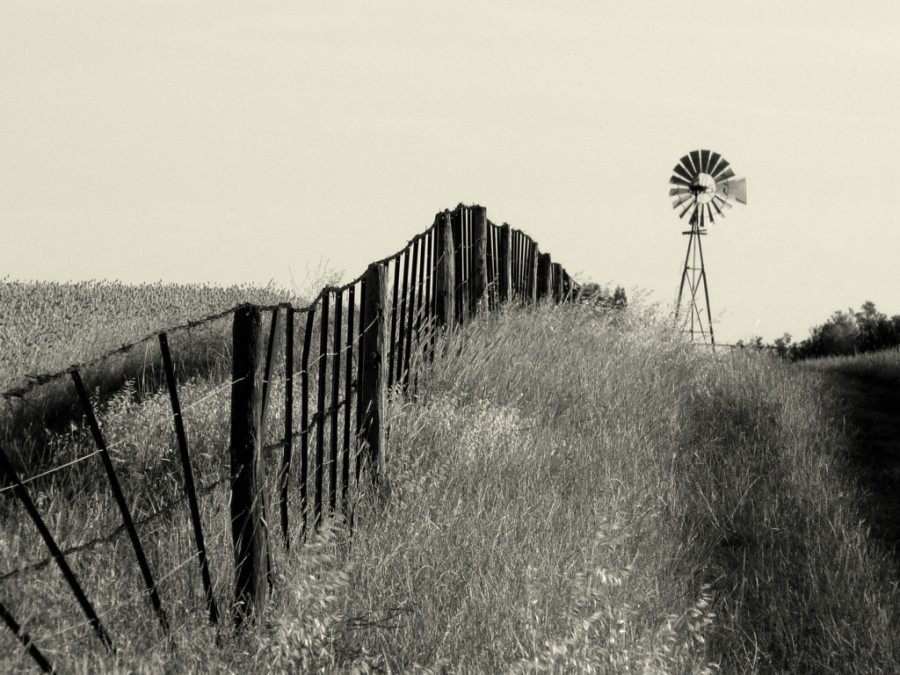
(374, 334)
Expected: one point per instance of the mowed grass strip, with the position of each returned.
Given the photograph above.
(570, 491)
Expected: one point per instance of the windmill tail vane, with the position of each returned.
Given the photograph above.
(703, 185)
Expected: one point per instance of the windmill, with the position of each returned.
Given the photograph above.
(702, 184)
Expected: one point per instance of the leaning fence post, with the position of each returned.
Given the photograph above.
(445, 281)
(26, 641)
(544, 276)
(372, 396)
(479, 258)
(19, 489)
(119, 497)
(190, 491)
(247, 486)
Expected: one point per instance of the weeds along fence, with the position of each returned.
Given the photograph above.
(305, 390)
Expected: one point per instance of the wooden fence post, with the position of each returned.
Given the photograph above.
(533, 273)
(459, 294)
(445, 281)
(544, 276)
(505, 258)
(247, 486)
(479, 259)
(556, 280)
(372, 396)
(287, 455)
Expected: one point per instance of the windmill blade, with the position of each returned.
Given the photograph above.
(724, 176)
(679, 191)
(723, 201)
(678, 180)
(681, 200)
(684, 173)
(714, 158)
(736, 188)
(688, 208)
(695, 155)
(716, 207)
(704, 161)
(689, 166)
(719, 168)
(709, 213)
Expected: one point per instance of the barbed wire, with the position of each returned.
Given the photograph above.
(50, 471)
(135, 597)
(40, 379)
(113, 534)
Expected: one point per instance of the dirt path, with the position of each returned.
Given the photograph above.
(873, 400)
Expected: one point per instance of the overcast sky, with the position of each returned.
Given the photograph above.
(242, 142)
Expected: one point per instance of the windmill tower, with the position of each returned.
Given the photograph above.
(702, 182)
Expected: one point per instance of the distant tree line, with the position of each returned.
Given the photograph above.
(596, 294)
(844, 334)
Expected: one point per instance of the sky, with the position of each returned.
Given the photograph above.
(226, 142)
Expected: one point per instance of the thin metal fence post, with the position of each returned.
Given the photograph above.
(86, 607)
(120, 501)
(189, 488)
(26, 641)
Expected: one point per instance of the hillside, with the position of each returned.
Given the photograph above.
(570, 489)
(869, 387)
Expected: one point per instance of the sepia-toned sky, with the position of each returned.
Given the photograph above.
(232, 142)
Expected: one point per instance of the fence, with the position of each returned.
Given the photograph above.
(374, 335)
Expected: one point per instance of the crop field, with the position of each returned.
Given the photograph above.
(570, 490)
(46, 326)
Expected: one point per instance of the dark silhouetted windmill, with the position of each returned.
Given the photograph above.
(702, 184)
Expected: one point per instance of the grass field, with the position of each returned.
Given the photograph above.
(49, 326)
(571, 491)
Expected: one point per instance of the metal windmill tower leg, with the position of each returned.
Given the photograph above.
(693, 275)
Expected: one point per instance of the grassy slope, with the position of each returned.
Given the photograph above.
(869, 386)
(568, 492)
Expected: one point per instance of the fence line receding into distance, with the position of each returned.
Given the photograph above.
(374, 334)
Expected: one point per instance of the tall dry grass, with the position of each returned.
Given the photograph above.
(569, 491)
